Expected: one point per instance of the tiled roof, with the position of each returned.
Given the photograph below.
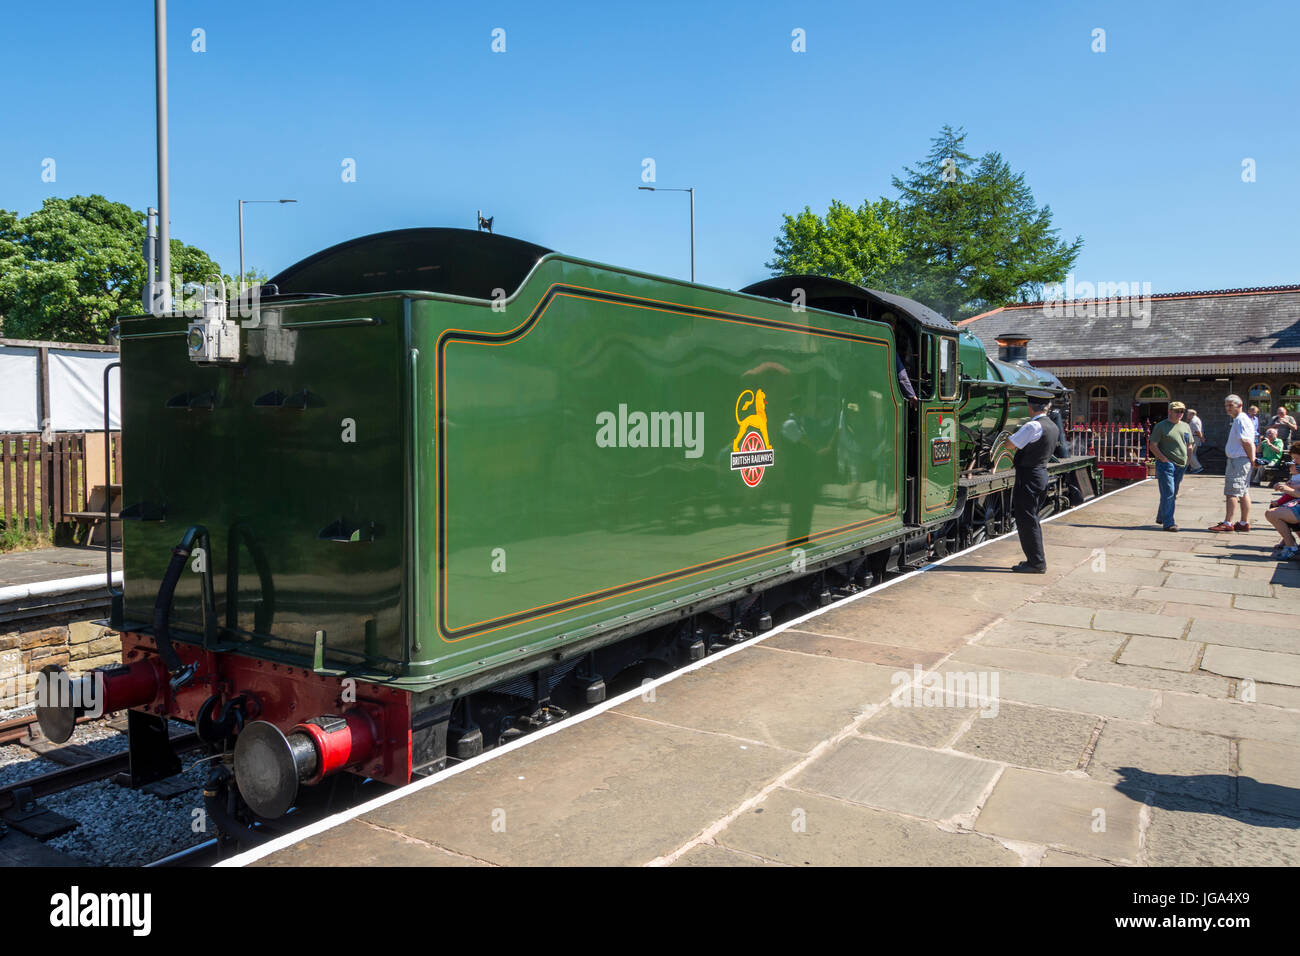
(1226, 322)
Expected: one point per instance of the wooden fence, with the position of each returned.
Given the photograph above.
(42, 482)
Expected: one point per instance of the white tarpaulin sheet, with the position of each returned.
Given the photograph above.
(77, 390)
(19, 390)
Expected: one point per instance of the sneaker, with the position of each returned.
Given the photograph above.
(1287, 553)
(1024, 567)
(1172, 527)
(1241, 526)
(1222, 526)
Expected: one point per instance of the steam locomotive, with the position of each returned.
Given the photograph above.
(442, 487)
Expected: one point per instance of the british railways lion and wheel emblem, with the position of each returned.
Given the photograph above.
(751, 451)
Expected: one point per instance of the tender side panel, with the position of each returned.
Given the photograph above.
(585, 469)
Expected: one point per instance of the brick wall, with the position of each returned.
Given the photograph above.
(1206, 397)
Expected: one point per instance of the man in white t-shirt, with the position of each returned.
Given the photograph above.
(1240, 449)
(1198, 436)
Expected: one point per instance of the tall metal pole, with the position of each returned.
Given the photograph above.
(692, 192)
(241, 246)
(150, 257)
(164, 204)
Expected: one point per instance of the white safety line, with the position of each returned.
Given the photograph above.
(17, 592)
(328, 823)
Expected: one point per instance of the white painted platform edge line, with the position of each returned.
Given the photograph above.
(343, 816)
(16, 592)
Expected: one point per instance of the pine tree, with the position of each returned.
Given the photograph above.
(974, 238)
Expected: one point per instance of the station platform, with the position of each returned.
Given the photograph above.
(54, 564)
(1139, 704)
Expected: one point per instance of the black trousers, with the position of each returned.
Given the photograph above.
(1026, 498)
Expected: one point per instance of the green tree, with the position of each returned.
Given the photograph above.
(860, 245)
(974, 238)
(964, 235)
(72, 267)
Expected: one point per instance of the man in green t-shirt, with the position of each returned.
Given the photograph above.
(1169, 443)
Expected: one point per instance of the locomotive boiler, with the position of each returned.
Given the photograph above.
(441, 488)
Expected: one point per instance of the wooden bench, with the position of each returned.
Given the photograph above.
(92, 519)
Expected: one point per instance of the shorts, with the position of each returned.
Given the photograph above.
(1236, 477)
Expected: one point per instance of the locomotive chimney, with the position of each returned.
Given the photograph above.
(1013, 349)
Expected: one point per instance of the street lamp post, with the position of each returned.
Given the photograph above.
(680, 189)
(241, 203)
(161, 298)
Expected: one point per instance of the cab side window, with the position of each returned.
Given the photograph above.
(926, 383)
(947, 368)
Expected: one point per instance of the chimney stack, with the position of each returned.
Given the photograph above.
(1013, 349)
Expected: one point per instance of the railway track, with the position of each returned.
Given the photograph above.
(81, 772)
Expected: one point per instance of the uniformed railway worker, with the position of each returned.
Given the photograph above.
(1033, 443)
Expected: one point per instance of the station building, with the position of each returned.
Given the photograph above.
(1126, 359)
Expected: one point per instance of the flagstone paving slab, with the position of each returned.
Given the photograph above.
(941, 629)
(1033, 662)
(1265, 666)
(1081, 696)
(1285, 640)
(1067, 615)
(1029, 737)
(707, 854)
(1274, 695)
(1244, 618)
(1186, 596)
(1153, 678)
(1134, 622)
(1209, 582)
(819, 695)
(804, 829)
(1053, 639)
(821, 645)
(890, 776)
(1160, 652)
(923, 726)
(1229, 718)
(1137, 757)
(1269, 777)
(1067, 812)
(1119, 599)
(1187, 832)
(1122, 577)
(355, 843)
(1191, 569)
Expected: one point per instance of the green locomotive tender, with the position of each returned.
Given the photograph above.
(443, 486)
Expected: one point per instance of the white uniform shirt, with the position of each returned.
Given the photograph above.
(1241, 431)
(1029, 432)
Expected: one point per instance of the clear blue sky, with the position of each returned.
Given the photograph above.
(1137, 149)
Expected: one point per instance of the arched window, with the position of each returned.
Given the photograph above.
(1098, 403)
(1153, 393)
(1259, 395)
(1290, 395)
(1152, 404)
